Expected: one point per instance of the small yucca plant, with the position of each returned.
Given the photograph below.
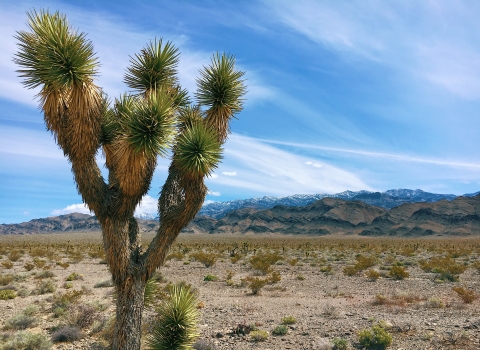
(176, 326)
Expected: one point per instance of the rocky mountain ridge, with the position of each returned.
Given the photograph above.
(459, 216)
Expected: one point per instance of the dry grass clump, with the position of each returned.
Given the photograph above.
(446, 268)
(398, 273)
(399, 299)
(207, 259)
(262, 262)
(467, 295)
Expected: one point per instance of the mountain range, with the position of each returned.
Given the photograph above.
(394, 212)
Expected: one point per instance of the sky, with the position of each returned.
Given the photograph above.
(342, 95)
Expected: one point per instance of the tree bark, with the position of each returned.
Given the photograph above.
(128, 324)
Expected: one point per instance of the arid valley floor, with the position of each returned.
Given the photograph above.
(326, 290)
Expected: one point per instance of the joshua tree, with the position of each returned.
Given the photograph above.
(132, 132)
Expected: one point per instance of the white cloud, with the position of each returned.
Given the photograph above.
(229, 173)
(148, 205)
(214, 193)
(73, 208)
(315, 165)
(213, 176)
(437, 42)
(208, 202)
(372, 154)
(266, 169)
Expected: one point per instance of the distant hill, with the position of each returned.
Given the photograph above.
(388, 200)
(459, 216)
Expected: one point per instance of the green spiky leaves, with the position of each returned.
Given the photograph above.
(148, 124)
(197, 151)
(154, 67)
(176, 326)
(220, 85)
(53, 54)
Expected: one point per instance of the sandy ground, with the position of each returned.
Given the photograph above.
(325, 306)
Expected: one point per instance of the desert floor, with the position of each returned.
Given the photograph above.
(312, 285)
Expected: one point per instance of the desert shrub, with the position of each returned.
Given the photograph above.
(176, 324)
(5, 280)
(74, 276)
(467, 295)
(300, 277)
(44, 274)
(39, 263)
(68, 285)
(15, 255)
(262, 262)
(445, 267)
(235, 257)
(326, 269)
(330, 311)
(258, 335)
(350, 270)
(229, 275)
(292, 262)
(275, 277)
(104, 284)
(19, 322)
(399, 299)
(7, 294)
(255, 284)
(175, 255)
(280, 330)
(7, 264)
(207, 259)
(47, 286)
(66, 299)
(63, 264)
(289, 320)
(243, 329)
(435, 303)
(26, 340)
(67, 334)
(372, 275)
(29, 266)
(81, 315)
(365, 262)
(210, 278)
(398, 273)
(30, 310)
(375, 338)
(340, 344)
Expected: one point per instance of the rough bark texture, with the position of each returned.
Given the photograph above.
(128, 325)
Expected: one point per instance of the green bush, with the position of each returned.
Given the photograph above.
(176, 325)
(210, 278)
(74, 276)
(259, 335)
(19, 322)
(280, 330)
(340, 344)
(445, 267)
(375, 338)
(398, 273)
(26, 340)
(262, 262)
(289, 320)
(7, 294)
(47, 286)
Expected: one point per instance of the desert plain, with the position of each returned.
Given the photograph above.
(254, 291)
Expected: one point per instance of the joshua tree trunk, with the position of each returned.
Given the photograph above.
(132, 134)
(128, 324)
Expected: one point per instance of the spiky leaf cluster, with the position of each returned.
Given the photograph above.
(220, 85)
(154, 67)
(176, 326)
(53, 54)
(197, 151)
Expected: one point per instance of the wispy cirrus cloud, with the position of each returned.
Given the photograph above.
(266, 169)
(390, 156)
(436, 41)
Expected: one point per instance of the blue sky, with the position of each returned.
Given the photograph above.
(342, 95)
